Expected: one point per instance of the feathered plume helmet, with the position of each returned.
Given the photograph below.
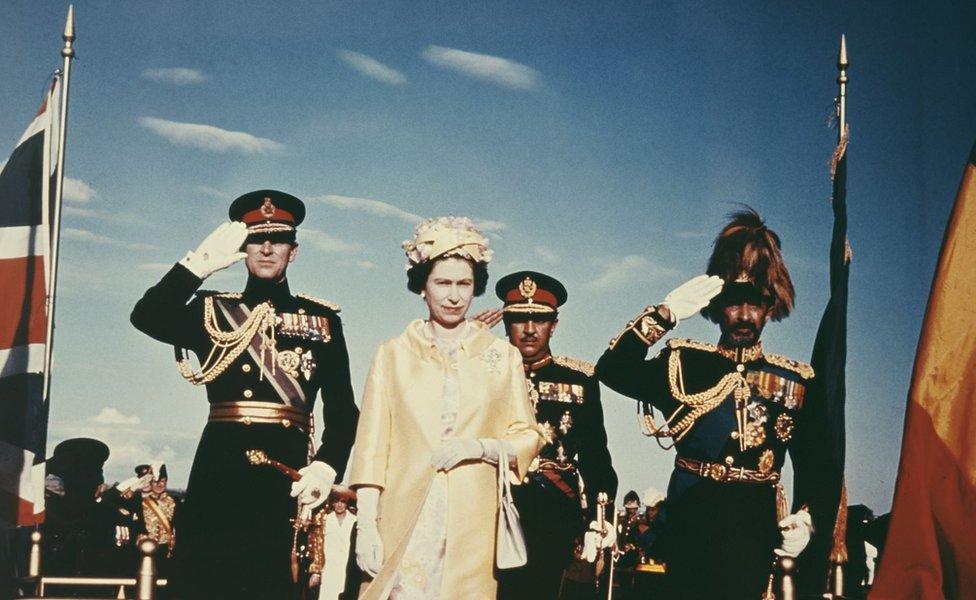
(747, 256)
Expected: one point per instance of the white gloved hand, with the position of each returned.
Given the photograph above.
(796, 530)
(219, 250)
(591, 544)
(692, 296)
(608, 537)
(369, 545)
(134, 484)
(456, 450)
(315, 485)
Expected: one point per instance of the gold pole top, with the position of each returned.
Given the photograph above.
(69, 33)
(842, 53)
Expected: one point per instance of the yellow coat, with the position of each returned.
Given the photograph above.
(400, 426)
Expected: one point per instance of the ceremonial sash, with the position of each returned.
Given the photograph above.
(163, 519)
(287, 387)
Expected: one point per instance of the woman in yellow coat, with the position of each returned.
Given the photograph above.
(441, 401)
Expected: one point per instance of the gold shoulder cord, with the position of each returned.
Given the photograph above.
(699, 404)
(228, 345)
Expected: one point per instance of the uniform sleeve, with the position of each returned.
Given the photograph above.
(164, 314)
(370, 460)
(523, 432)
(595, 464)
(625, 369)
(339, 412)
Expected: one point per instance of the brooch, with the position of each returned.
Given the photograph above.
(491, 357)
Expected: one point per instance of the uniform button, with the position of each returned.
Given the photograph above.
(735, 435)
(248, 393)
(301, 311)
(246, 368)
(740, 368)
(729, 460)
(299, 350)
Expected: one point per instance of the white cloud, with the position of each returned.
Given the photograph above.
(326, 242)
(490, 226)
(484, 66)
(629, 269)
(76, 190)
(175, 76)
(372, 68)
(83, 235)
(374, 207)
(74, 211)
(113, 416)
(214, 192)
(208, 137)
(546, 254)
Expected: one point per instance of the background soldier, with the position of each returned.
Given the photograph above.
(158, 513)
(265, 354)
(732, 410)
(566, 397)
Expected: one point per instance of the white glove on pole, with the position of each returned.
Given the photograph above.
(219, 250)
(315, 485)
(796, 530)
(369, 546)
(457, 450)
(692, 296)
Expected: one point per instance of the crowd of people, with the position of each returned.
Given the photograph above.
(449, 415)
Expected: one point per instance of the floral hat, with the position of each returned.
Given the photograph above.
(446, 236)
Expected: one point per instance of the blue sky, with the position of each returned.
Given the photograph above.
(600, 142)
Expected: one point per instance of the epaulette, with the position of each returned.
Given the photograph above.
(575, 364)
(800, 368)
(329, 305)
(215, 293)
(675, 343)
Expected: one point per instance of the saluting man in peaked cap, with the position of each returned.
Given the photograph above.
(732, 410)
(265, 354)
(566, 397)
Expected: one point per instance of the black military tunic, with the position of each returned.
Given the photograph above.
(235, 531)
(734, 415)
(566, 396)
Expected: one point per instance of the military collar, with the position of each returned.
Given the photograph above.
(538, 364)
(258, 290)
(742, 355)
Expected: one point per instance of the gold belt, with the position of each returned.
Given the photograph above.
(248, 412)
(724, 473)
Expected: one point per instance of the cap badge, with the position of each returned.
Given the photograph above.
(528, 288)
(268, 209)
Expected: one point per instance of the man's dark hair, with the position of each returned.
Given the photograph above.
(417, 275)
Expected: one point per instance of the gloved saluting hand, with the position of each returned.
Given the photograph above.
(369, 546)
(219, 250)
(692, 296)
(796, 530)
(315, 485)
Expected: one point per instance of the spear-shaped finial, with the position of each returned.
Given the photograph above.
(69, 33)
(842, 64)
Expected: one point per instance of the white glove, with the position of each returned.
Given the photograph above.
(369, 546)
(134, 484)
(155, 468)
(315, 485)
(219, 250)
(595, 540)
(457, 450)
(796, 530)
(692, 296)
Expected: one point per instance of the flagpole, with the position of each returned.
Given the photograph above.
(842, 65)
(67, 53)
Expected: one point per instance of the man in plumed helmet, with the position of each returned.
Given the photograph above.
(732, 410)
(566, 398)
(265, 353)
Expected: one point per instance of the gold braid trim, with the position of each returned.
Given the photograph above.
(575, 364)
(646, 326)
(802, 369)
(674, 343)
(692, 406)
(330, 305)
(228, 345)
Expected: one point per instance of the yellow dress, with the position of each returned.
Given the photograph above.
(403, 421)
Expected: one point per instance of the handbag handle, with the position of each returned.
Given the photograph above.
(504, 485)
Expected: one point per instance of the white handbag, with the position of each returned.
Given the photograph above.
(509, 540)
